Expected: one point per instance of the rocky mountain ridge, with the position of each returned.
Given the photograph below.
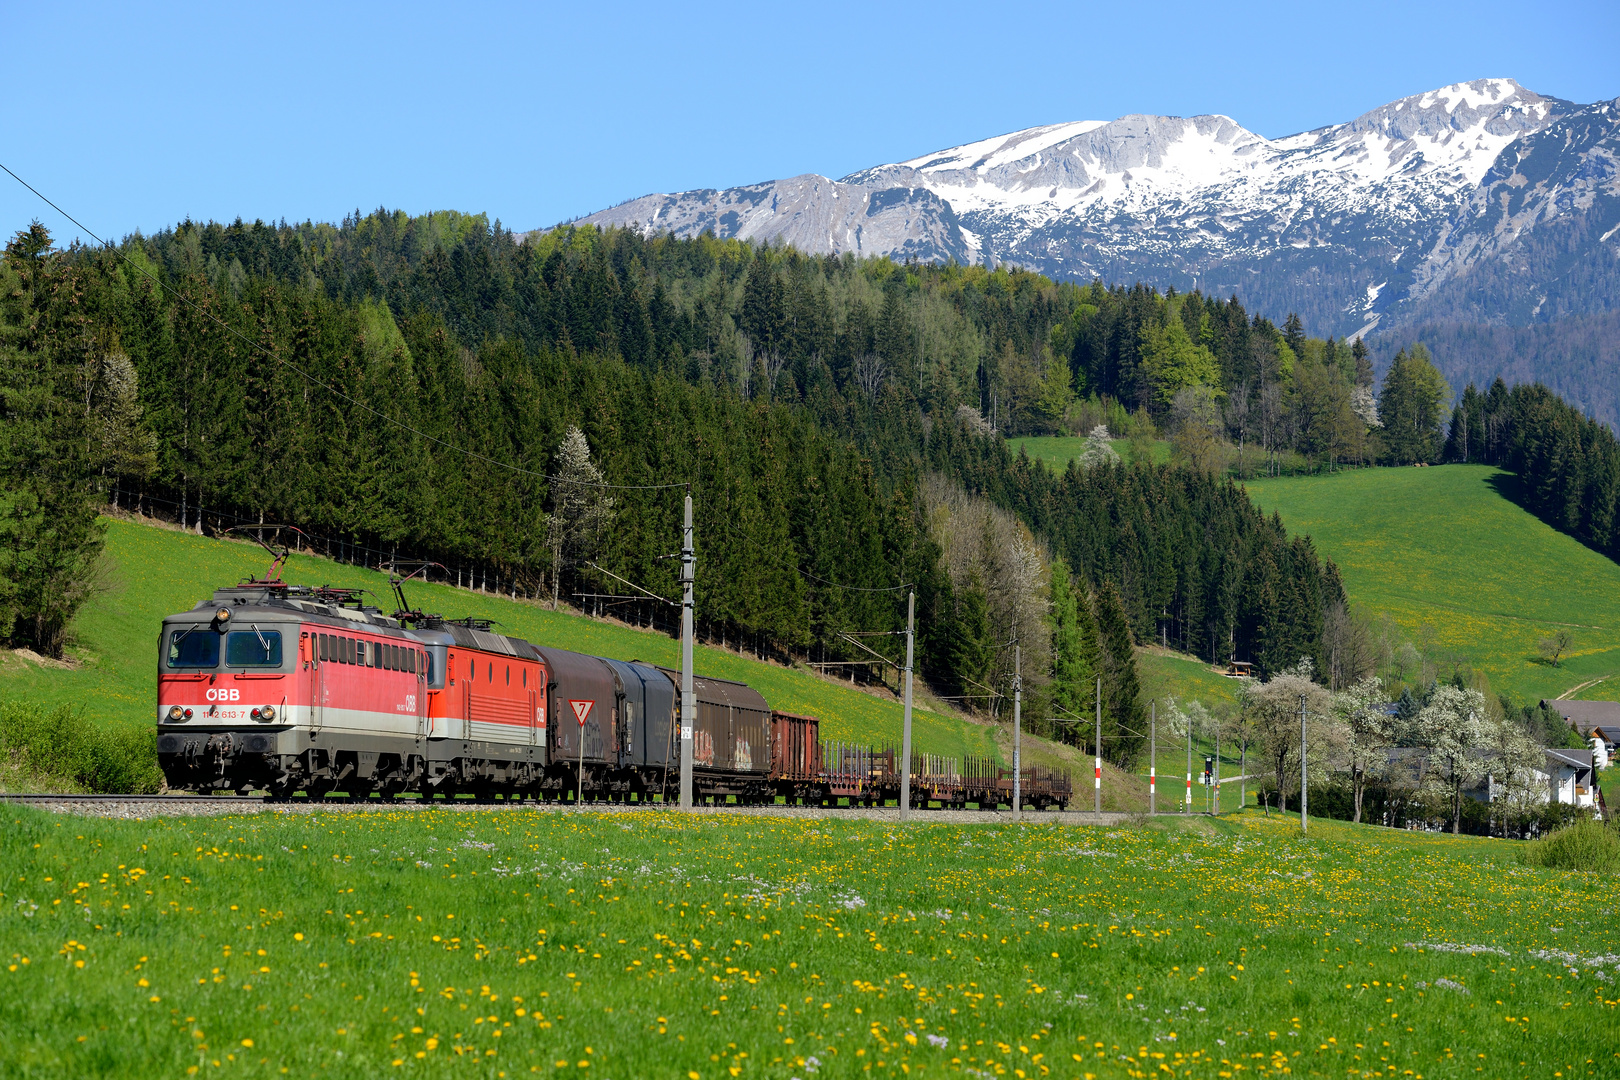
(1482, 201)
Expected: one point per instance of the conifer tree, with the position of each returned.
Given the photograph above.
(1363, 358)
(1410, 407)
(1122, 705)
(1294, 334)
(973, 648)
(580, 508)
(50, 538)
(1076, 653)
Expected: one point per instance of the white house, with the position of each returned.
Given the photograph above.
(1570, 776)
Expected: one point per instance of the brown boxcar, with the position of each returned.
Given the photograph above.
(731, 748)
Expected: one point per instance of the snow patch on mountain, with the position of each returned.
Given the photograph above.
(1364, 216)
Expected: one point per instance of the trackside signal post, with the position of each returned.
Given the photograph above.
(905, 730)
(688, 701)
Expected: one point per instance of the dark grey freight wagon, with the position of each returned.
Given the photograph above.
(647, 705)
(582, 688)
(731, 748)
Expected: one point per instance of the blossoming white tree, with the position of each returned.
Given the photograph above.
(1451, 727)
(1368, 732)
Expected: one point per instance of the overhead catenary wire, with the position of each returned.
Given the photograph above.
(314, 381)
(726, 526)
(379, 414)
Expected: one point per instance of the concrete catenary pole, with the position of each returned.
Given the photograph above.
(1096, 778)
(905, 728)
(1153, 759)
(1215, 781)
(1018, 723)
(688, 700)
(1302, 786)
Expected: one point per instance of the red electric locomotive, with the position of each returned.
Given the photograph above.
(290, 688)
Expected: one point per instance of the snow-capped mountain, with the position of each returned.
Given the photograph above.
(1480, 185)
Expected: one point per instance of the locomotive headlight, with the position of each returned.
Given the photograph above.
(176, 714)
(221, 617)
(267, 713)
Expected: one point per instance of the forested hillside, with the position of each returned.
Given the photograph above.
(407, 384)
(1568, 464)
(1576, 357)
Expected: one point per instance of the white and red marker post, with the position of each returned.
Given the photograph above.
(1097, 805)
(1153, 759)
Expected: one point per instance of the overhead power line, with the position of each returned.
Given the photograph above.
(726, 526)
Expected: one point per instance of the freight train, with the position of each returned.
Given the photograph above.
(290, 689)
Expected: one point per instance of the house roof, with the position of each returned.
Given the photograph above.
(1608, 732)
(1585, 715)
(1573, 759)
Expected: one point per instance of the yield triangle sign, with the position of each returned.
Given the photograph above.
(582, 709)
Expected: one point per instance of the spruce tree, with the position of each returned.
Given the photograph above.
(1294, 334)
(973, 648)
(1363, 358)
(1122, 704)
(50, 538)
(1076, 658)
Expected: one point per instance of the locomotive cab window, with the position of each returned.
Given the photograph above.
(253, 648)
(196, 647)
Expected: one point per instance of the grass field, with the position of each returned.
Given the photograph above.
(1463, 570)
(1058, 450)
(160, 571)
(504, 944)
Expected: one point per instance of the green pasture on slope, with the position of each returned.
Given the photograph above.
(648, 944)
(159, 571)
(1465, 572)
(1058, 450)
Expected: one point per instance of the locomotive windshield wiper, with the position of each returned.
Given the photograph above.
(263, 644)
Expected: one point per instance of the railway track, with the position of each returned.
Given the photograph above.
(113, 799)
(145, 806)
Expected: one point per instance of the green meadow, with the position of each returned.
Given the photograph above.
(1466, 573)
(647, 944)
(158, 571)
(1058, 450)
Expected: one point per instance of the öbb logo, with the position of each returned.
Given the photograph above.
(224, 694)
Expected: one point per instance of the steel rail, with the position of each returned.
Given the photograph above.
(9, 796)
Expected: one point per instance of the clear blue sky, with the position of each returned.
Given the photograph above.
(538, 113)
